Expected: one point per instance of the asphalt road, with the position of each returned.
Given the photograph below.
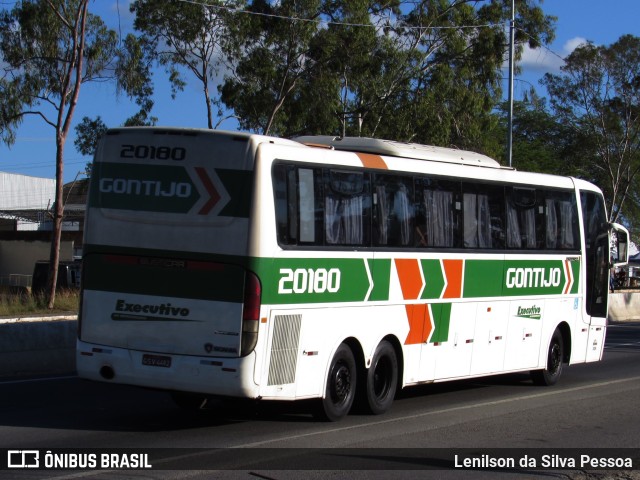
(593, 410)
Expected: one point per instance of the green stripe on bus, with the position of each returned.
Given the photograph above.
(441, 318)
(483, 278)
(169, 189)
(129, 274)
(496, 278)
(381, 275)
(239, 185)
(327, 280)
(575, 271)
(534, 277)
(321, 280)
(139, 187)
(316, 280)
(433, 277)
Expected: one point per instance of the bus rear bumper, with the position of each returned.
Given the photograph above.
(210, 375)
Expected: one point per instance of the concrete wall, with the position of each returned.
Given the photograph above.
(37, 346)
(624, 306)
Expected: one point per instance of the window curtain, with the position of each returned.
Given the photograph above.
(484, 222)
(470, 220)
(344, 220)
(521, 227)
(552, 224)
(567, 239)
(477, 221)
(514, 240)
(352, 217)
(383, 215)
(439, 218)
(403, 213)
(332, 220)
(529, 223)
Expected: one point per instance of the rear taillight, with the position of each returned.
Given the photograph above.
(250, 313)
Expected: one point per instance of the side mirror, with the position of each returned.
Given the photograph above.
(622, 244)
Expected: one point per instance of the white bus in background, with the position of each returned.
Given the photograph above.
(238, 265)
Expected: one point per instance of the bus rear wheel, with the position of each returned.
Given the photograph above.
(382, 379)
(555, 354)
(341, 386)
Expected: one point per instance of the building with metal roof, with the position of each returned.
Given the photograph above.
(24, 201)
(25, 224)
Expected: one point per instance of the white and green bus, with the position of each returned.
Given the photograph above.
(337, 269)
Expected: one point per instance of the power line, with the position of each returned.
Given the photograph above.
(330, 22)
(31, 165)
(367, 25)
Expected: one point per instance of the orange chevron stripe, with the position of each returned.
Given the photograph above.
(420, 324)
(453, 270)
(410, 277)
(569, 274)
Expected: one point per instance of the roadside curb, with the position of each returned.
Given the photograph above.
(42, 318)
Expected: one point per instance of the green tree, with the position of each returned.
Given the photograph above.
(426, 71)
(541, 142)
(187, 35)
(50, 48)
(456, 77)
(270, 51)
(134, 73)
(598, 95)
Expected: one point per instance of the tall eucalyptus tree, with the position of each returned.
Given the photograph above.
(49, 49)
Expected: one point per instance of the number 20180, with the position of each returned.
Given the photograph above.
(153, 153)
(309, 280)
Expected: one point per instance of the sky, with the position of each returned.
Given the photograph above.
(33, 153)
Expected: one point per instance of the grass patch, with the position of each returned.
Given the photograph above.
(25, 303)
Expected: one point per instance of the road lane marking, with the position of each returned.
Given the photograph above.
(354, 427)
(439, 412)
(43, 379)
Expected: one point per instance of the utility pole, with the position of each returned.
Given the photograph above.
(512, 31)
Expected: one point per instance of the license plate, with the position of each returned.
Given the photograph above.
(156, 360)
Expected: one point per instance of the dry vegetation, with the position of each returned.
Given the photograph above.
(25, 303)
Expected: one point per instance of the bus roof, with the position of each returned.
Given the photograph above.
(400, 149)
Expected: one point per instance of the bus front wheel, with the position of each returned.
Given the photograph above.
(382, 379)
(341, 385)
(555, 354)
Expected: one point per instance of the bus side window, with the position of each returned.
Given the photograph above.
(483, 216)
(438, 208)
(561, 221)
(346, 208)
(285, 204)
(298, 205)
(394, 210)
(524, 218)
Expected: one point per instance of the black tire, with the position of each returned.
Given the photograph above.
(189, 401)
(555, 355)
(341, 386)
(382, 379)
